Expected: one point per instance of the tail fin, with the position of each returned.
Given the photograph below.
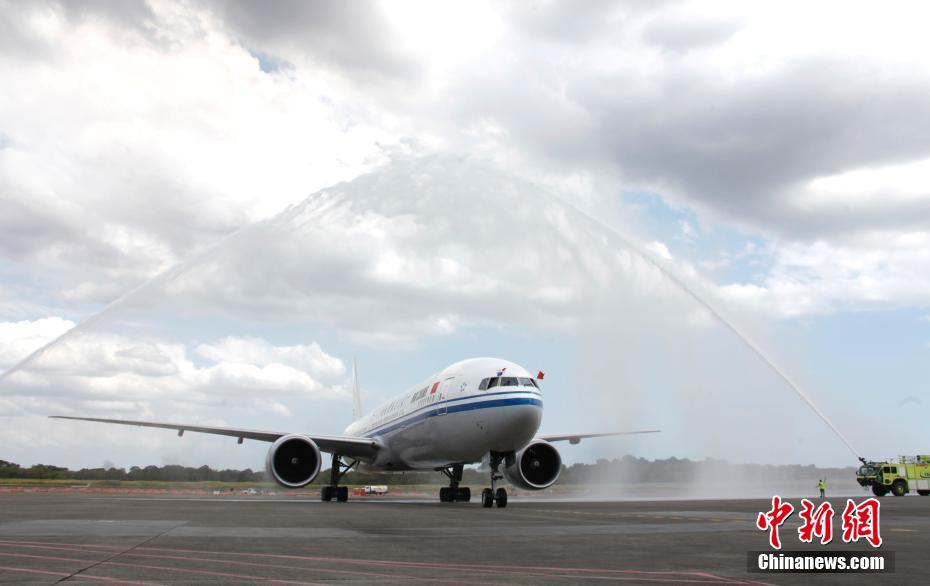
(356, 397)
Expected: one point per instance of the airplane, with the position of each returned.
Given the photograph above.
(476, 409)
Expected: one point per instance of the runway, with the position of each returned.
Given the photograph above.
(46, 538)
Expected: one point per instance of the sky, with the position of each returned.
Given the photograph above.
(221, 204)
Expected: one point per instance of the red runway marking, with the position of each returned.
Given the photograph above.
(523, 570)
(67, 574)
(80, 548)
(165, 568)
(644, 575)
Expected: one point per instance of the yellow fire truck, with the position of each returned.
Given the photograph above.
(897, 477)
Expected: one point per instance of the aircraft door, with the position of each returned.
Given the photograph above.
(444, 391)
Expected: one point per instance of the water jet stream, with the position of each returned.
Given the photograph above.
(166, 276)
(718, 316)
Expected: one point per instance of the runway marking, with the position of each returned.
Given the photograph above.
(669, 576)
(904, 530)
(165, 568)
(65, 575)
(379, 575)
(84, 548)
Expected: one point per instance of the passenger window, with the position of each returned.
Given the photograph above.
(484, 385)
(493, 382)
(509, 381)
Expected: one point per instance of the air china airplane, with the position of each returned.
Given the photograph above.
(472, 410)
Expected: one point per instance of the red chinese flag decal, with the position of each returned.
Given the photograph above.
(541, 375)
(435, 386)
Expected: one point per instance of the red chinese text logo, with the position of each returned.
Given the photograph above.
(817, 523)
(861, 522)
(773, 519)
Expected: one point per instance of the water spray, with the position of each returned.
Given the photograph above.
(720, 318)
(166, 276)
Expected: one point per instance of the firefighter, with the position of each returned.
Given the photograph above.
(823, 491)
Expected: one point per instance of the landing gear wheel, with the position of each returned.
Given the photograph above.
(501, 497)
(453, 493)
(879, 490)
(923, 492)
(487, 498)
(333, 490)
(898, 488)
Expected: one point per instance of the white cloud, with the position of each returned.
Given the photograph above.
(822, 277)
(105, 373)
(175, 134)
(172, 136)
(660, 249)
(19, 339)
(308, 357)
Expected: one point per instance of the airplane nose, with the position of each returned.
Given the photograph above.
(521, 426)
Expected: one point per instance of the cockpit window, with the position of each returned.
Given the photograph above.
(509, 381)
(526, 382)
(493, 382)
(484, 385)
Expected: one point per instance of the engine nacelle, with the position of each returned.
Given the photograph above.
(293, 461)
(535, 467)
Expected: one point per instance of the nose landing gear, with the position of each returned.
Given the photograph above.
(491, 495)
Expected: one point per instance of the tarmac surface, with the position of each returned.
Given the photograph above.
(48, 537)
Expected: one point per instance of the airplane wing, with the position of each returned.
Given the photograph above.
(353, 447)
(574, 438)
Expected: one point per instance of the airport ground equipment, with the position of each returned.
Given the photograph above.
(898, 477)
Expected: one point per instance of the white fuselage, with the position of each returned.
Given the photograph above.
(449, 419)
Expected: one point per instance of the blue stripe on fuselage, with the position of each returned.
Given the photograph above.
(397, 424)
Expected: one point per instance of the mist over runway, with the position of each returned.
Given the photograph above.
(49, 537)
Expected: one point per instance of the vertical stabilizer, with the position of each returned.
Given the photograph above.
(356, 397)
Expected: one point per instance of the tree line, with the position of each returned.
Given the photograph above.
(624, 470)
(170, 472)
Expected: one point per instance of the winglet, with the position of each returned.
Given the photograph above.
(356, 397)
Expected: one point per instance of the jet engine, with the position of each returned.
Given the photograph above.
(293, 461)
(535, 467)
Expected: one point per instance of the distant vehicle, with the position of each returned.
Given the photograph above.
(217, 492)
(472, 410)
(897, 477)
(378, 489)
(249, 491)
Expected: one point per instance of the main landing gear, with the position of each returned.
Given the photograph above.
(454, 493)
(491, 495)
(333, 490)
